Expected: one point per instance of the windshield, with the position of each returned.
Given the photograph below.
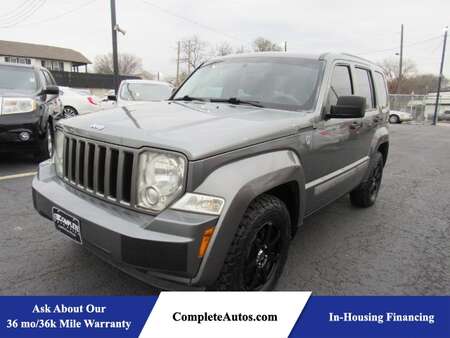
(18, 78)
(278, 82)
(145, 92)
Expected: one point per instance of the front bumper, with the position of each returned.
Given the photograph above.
(12, 125)
(161, 250)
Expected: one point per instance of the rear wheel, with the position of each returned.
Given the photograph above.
(259, 249)
(394, 119)
(366, 193)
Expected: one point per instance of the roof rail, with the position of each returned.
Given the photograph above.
(357, 57)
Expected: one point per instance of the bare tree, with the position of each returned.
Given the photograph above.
(391, 68)
(263, 45)
(194, 51)
(223, 49)
(129, 64)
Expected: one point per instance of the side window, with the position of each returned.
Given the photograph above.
(364, 85)
(341, 84)
(380, 85)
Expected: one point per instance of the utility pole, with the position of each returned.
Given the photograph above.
(438, 93)
(189, 57)
(178, 65)
(400, 66)
(285, 46)
(114, 46)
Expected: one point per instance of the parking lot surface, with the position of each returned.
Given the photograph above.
(400, 246)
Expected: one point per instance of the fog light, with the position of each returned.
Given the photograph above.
(24, 136)
(150, 196)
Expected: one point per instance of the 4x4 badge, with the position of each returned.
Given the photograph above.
(97, 126)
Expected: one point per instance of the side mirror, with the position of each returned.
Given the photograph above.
(348, 107)
(112, 98)
(50, 90)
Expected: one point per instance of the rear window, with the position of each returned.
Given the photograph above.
(364, 86)
(22, 79)
(380, 86)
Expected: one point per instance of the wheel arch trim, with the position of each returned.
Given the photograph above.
(239, 183)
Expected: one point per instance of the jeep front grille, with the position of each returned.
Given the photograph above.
(101, 169)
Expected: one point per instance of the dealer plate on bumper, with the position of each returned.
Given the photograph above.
(67, 224)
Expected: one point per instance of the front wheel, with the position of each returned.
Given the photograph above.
(69, 112)
(366, 193)
(259, 249)
(45, 146)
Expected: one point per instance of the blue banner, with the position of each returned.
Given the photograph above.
(218, 314)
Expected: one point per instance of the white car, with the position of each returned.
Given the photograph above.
(396, 116)
(77, 102)
(140, 91)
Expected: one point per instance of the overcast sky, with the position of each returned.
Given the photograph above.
(367, 28)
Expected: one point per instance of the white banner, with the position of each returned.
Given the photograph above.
(224, 314)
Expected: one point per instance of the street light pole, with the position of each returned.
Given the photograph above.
(400, 66)
(438, 93)
(114, 46)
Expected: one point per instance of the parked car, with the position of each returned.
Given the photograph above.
(141, 91)
(77, 102)
(396, 116)
(207, 189)
(29, 105)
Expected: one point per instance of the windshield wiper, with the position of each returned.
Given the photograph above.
(189, 98)
(235, 100)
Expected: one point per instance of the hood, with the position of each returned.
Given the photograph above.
(197, 129)
(15, 93)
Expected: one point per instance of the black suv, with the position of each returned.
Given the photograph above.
(28, 105)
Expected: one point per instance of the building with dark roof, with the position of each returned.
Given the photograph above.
(53, 58)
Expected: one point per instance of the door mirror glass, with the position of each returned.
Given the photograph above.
(348, 107)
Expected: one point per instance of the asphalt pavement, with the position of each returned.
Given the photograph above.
(400, 246)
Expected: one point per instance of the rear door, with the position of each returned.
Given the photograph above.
(365, 87)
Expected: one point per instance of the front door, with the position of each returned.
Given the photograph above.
(336, 154)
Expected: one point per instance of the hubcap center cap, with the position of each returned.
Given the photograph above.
(261, 258)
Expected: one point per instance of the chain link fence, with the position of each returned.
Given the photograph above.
(422, 107)
(413, 104)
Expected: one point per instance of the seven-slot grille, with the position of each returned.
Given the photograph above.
(99, 168)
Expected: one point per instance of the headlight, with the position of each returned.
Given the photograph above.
(59, 151)
(160, 179)
(13, 105)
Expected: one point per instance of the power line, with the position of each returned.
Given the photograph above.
(169, 12)
(16, 9)
(15, 18)
(56, 17)
(28, 12)
(406, 45)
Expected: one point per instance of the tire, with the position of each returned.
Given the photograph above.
(45, 146)
(69, 112)
(394, 119)
(259, 249)
(366, 193)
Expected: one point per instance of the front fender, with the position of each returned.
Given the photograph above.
(239, 183)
